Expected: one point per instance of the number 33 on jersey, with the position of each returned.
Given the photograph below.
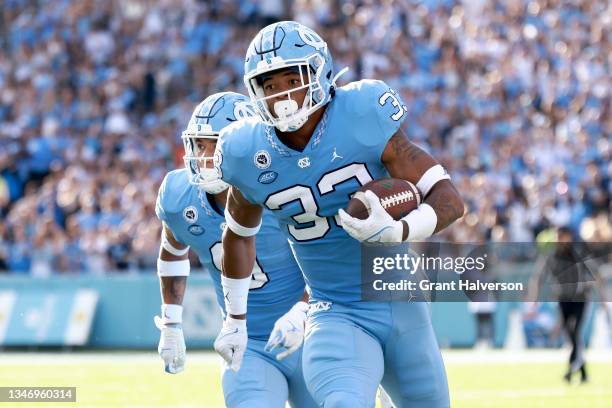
(305, 189)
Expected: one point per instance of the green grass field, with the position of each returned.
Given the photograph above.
(477, 379)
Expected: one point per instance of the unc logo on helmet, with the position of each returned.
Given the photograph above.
(208, 119)
(290, 45)
(243, 110)
(311, 38)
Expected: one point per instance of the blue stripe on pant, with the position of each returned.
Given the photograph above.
(264, 382)
(350, 348)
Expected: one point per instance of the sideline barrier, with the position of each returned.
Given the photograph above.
(119, 310)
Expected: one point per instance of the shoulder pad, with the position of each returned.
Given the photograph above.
(171, 193)
(361, 97)
(236, 142)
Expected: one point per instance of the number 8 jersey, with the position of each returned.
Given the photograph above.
(277, 282)
(304, 190)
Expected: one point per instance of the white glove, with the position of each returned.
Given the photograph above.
(288, 331)
(378, 227)
(171, 346)
(231, 342)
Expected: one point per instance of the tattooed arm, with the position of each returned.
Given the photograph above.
(173, 289)
(405, 160)
(173, 269)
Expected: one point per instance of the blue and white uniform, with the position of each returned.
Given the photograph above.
(277, 284)
(350, 345)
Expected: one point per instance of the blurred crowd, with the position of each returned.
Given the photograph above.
(513, 96)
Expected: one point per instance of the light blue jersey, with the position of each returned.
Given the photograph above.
(195, 221)
(350, 346)
(306, 189)
(277, 284)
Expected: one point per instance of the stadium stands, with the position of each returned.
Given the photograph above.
(514, 96)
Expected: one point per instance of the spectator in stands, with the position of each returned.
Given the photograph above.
(514, 97)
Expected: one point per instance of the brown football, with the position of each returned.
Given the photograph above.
(397, 196)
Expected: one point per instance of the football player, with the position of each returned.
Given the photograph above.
(314, 146)
(190, 205)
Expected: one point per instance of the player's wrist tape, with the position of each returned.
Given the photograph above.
(433, 175)
(171, 313)
(235, 293)
(173, 268)
(421, 222)
(167, 245)
(238, 229)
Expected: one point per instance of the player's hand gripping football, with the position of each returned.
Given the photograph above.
(232, 341)
(171, 346)
(378, 227)
(288, 331)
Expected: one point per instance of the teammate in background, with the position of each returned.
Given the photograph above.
(317, 144)
(190, 205)
(574, 276)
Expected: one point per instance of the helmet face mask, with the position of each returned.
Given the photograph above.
(199, 164)
(278, 114)
(287, 45)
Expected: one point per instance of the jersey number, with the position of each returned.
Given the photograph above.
(310, 225)
(258, 277)
(395, 102)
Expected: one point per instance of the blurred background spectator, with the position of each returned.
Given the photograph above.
(512, 96)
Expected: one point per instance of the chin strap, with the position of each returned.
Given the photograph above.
(338, 75)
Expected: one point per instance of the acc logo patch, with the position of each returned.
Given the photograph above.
(267, 177)
(196, 229)
(262, 159)
(190, 214)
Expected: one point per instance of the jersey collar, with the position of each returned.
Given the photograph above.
(282, 149)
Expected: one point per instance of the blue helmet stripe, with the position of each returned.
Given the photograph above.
(212, 114)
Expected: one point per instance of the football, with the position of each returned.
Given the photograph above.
(397, 196)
